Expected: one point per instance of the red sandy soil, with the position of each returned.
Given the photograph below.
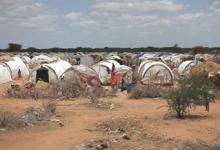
(78, 119)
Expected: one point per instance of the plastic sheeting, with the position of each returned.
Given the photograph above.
(15, 66)
(58, 67)
(5, 75)
(103, 69)
(184, 67)
(55, 70)
(42, 58)
(156, 72)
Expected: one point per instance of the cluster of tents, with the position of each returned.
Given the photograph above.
(156, 68)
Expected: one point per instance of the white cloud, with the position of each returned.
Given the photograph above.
(190, 16)
(213, 5)
(26, 13)
(77, 19)
(136, 6)
(74, 16)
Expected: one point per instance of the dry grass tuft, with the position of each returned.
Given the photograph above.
(9, 120)
(145, 91)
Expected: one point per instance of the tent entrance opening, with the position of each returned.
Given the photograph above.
(42, 74)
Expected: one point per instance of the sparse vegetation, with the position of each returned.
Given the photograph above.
(145, 91)
(194, 91)
(32, 115)
(61, 89)
(9, 120)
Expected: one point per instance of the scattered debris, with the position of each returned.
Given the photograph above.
(125, 136)
(97, 144)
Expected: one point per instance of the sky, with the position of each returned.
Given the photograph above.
(109, 23)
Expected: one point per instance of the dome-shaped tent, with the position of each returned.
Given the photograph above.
(44, 58)
(88, 75)
(71, 74)
(184, 67)
(156, 73)
(5, 75)
(49, 72)
(25, 59)
(128, 73)
(15, 65)
(103, 69)
(86, 60)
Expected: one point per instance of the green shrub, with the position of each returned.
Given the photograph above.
(192, 92)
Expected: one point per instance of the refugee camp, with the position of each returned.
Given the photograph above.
(109, 75)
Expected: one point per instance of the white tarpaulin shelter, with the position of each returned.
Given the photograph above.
(49, 72)
(5, 75)
(15, 65)
(156, 73)
(103, 69)
(184, 67)
(115, 57)
(25, 59)
(44, 58)
(86, 60)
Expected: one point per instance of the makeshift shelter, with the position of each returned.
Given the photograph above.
(147, 55)
(114, 57)
(5, 75)
(127, 73)
(71, 74)
(185, 67)
(103, 69)
(49, 72)
(86, 60)
(15, 66)
(25, 59)
(155, 73)
(43, 58)
(88, 75)
(5, 57)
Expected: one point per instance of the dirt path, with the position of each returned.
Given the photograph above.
(78, 118)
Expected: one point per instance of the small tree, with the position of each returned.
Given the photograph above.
(14, 47)
(194, 91)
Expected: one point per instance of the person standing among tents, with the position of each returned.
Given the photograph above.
(113, 79)
(19, 73)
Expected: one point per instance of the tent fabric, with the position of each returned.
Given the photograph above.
(184, 67)
(16, 65)
(42, 58)
(88, 75)
(157, 73)
(115, 57)
(85, 70)
(127, 73)
(59, 67)
(5, 75)
(86, 60)
(117, 65)
(103, 69)
(25, 59)
(71, 74)
(140, 68)
(103, 73)
(55, 70)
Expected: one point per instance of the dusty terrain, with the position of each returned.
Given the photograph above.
(80, 123)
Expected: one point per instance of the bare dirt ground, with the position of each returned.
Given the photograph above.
(80, 123)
